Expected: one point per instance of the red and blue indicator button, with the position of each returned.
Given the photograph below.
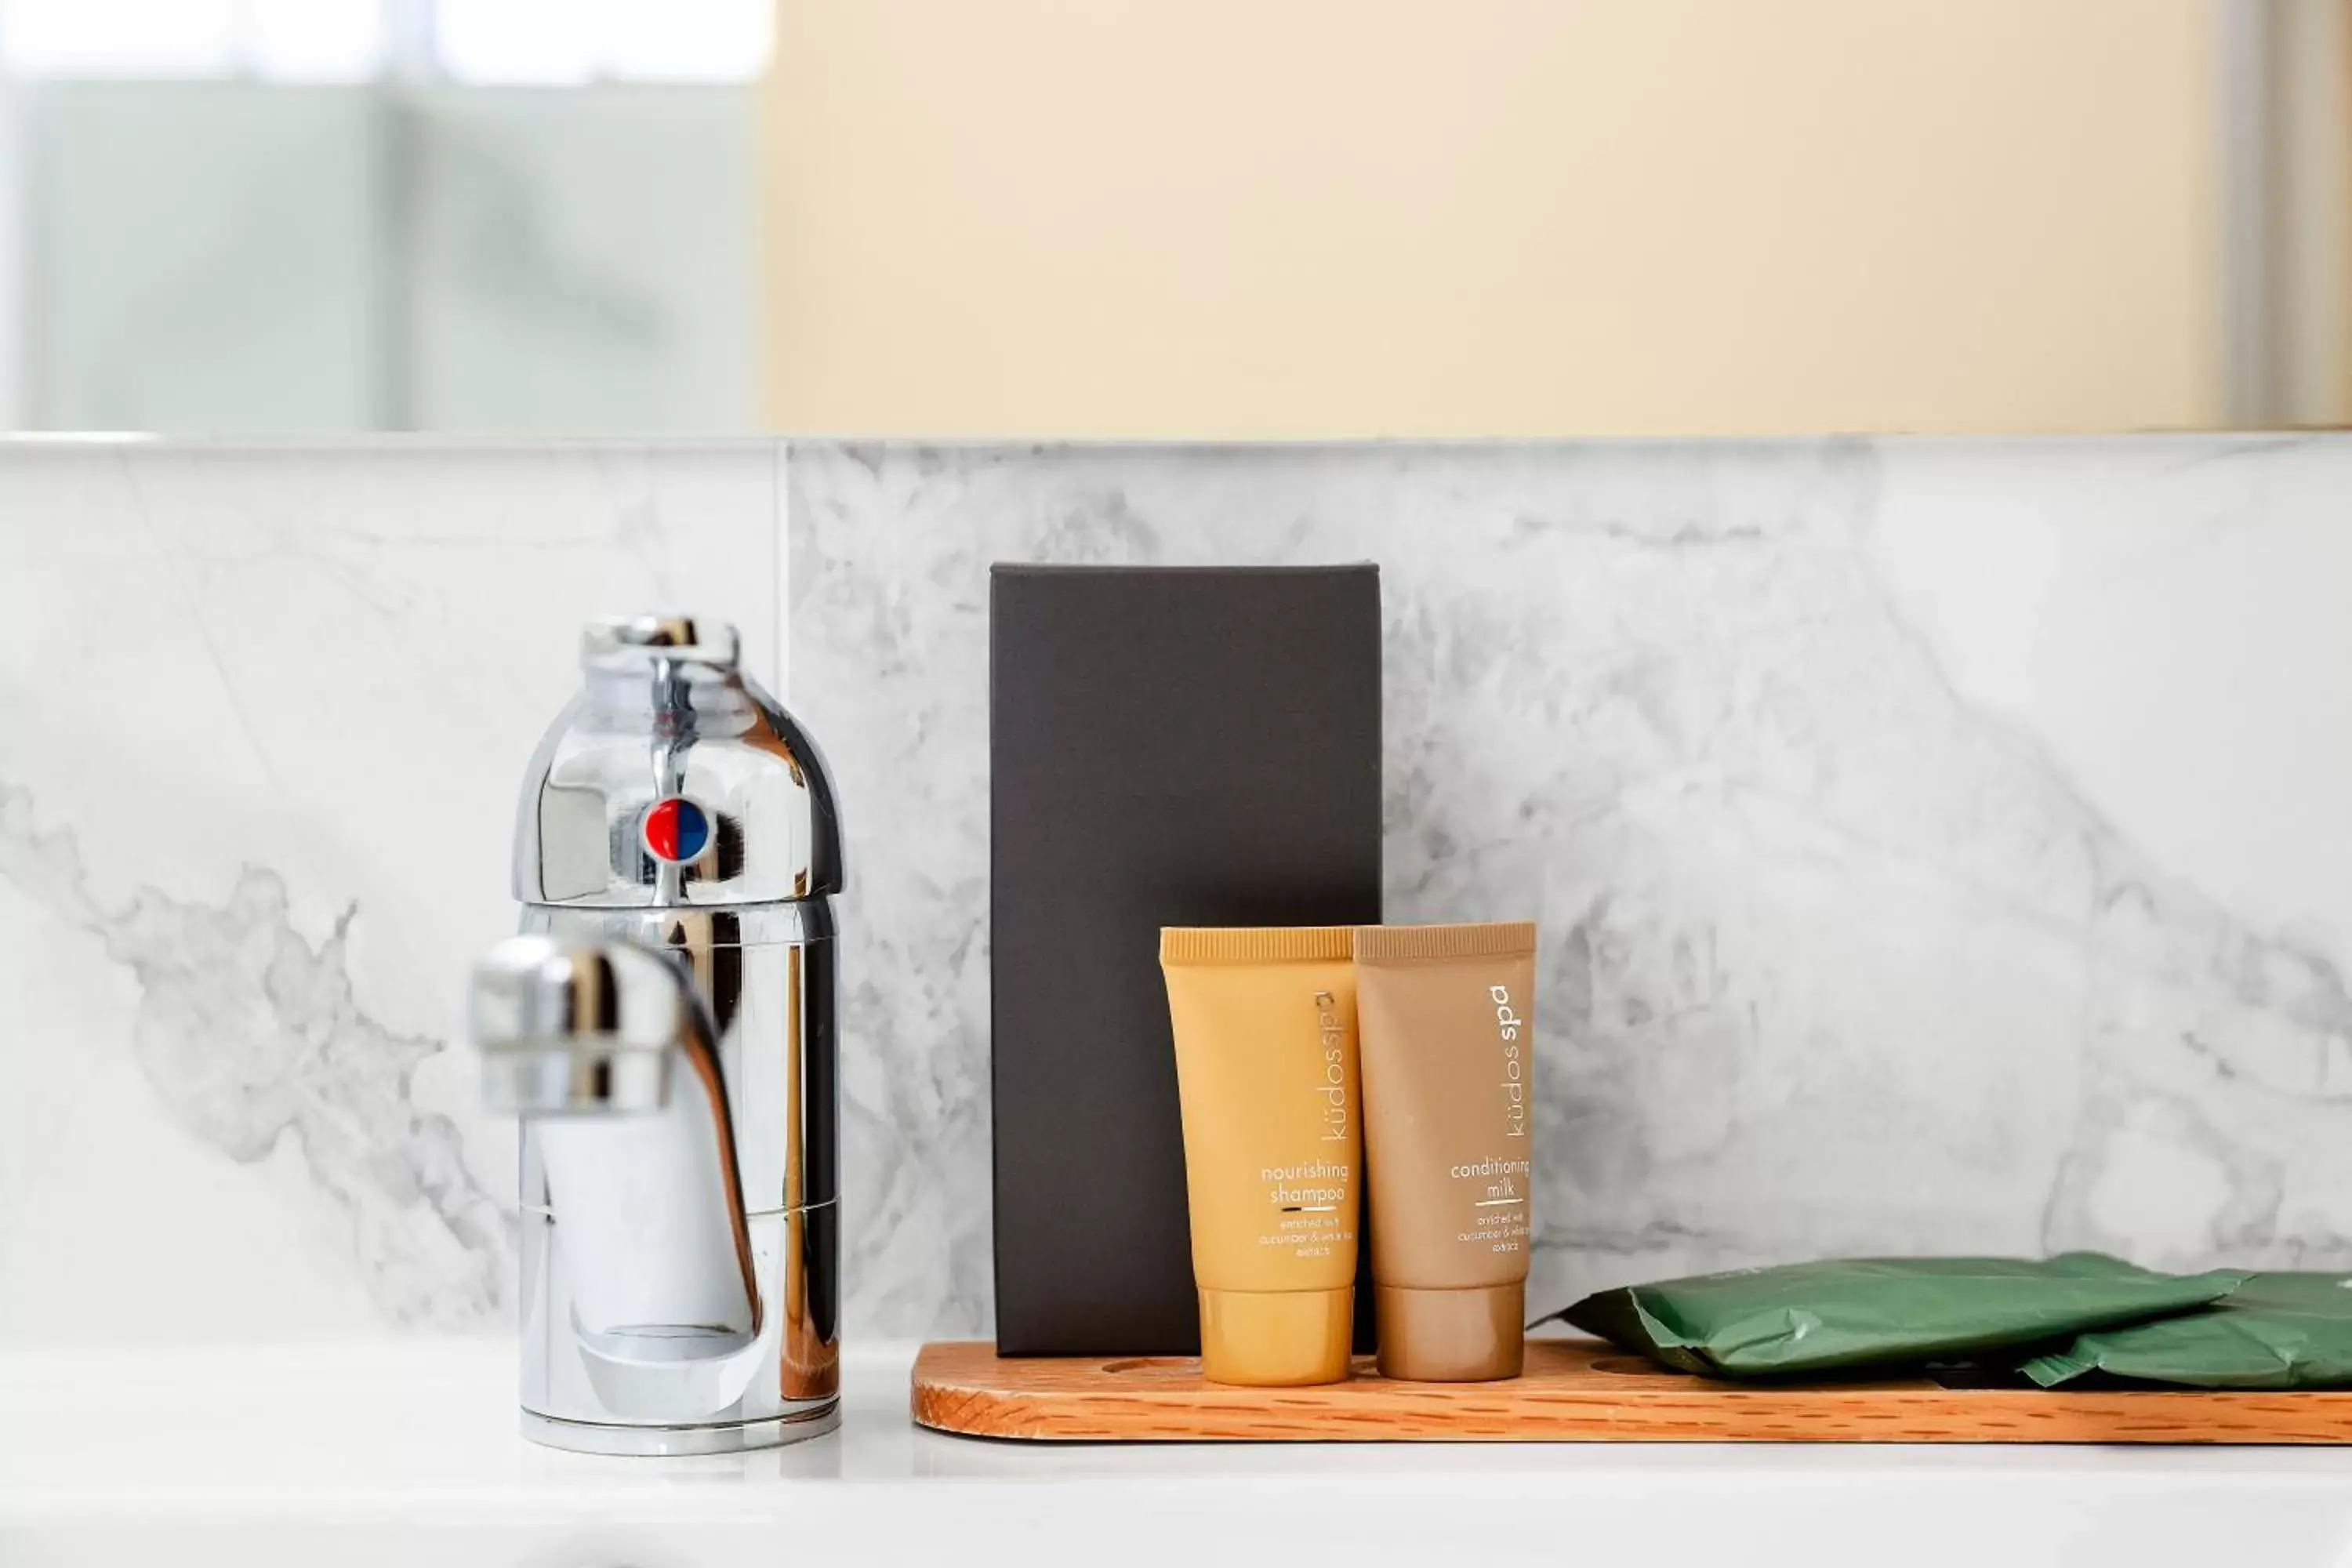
(677, 830)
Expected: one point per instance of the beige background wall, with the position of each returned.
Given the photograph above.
(1491, 218)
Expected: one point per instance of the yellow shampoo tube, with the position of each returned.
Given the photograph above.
(1264, 1023)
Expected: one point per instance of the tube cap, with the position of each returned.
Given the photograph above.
(1452, 1336)
(1277, 1338)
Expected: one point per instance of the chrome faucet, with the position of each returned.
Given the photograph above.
(664, 1027)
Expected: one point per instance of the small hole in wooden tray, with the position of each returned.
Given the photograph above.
(1146, 1363)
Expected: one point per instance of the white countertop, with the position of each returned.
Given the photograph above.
(409, 1454)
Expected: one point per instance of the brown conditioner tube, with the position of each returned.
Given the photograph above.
(1447, 1021)
(1266, 1071)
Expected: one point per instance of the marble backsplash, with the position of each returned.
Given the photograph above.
(1937, 844)
(263, 715)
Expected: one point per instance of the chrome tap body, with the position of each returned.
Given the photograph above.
(664, 1028)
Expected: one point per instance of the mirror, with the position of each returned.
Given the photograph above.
(1141, 218)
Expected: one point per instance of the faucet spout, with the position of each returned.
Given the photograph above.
(578, 1029)
(609, 1056)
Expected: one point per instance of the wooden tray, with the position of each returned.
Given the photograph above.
(1575, 1390)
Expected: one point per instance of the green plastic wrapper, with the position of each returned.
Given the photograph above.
(2276, 1330)
(1882, 1311)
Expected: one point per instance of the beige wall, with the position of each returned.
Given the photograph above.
(2310, 216)
(1491, 218)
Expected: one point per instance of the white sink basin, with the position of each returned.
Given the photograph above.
(410, 1456)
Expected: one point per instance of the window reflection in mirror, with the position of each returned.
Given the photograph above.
(1258, 218)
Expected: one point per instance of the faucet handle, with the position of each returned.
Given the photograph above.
(634, 639)
(574, 1028)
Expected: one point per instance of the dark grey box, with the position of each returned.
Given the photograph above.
(1167, 747)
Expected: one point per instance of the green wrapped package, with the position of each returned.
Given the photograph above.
(2276, 1330)
(1882, 1311)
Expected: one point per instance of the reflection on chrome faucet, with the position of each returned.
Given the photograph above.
(665, 1029)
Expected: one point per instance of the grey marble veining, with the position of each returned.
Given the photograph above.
(1838, 956)
(262, 718)
(249, 1034)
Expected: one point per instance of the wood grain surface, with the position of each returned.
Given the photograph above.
(1574, 1391)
